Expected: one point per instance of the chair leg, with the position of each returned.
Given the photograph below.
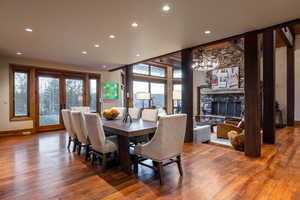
(87, 152)
(69, 142)
(104, 161)
(79, 148)
(179, 165)
(93, 158)
(135, 164)
(75, 142)
(160, 172)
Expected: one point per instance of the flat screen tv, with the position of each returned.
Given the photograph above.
(225, 78)
(111, 91)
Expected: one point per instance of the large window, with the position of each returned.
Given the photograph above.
(148, 70)
(74, 93)
(177, 99)
(156, 91)
(158, 94)
(177, 73)
(140, 86)
(93, 95)
(20, 94)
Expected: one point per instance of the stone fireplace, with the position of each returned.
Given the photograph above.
(217, 104)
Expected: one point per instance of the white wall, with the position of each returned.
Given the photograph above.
(112, 77)
(280, 78)
(297, 79)
(200, 79)
(5, 123)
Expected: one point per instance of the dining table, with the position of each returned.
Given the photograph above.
(125, 131)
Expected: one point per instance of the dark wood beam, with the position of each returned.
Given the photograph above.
(286, 35)
(290, 86)
(269, 86)
(252, 96)
(187, 91)
(129, 86)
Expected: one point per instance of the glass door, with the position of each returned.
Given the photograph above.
(74, 93)
(49, 102)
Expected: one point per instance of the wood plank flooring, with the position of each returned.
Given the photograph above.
(39, 167)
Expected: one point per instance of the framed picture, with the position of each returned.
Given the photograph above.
(111, 91)
(225, 78)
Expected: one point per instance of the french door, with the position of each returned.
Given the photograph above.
(54, 93)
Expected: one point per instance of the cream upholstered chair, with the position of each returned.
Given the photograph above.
(166, 144)
(150, 115)
(66, 115)
(121, 111)
(135, 113)
(201, 133)
(80, 130)
(81, 108)
(101, 145)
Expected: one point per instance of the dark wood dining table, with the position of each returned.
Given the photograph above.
(125, 131)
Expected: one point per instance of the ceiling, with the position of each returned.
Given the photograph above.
(62, 29)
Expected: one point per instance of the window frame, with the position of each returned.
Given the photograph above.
(12, 71)
(149, 71)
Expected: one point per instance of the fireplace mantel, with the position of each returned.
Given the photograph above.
(223, 91)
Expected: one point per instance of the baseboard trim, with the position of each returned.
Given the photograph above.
(16, 132)
(297, 122)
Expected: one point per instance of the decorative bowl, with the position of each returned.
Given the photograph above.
(110, 114)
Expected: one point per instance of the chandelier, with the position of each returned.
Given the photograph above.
(205, 63)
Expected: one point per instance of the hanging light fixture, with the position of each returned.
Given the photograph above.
(205, 63)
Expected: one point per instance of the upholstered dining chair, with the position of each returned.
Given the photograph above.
(66, 115)
(135, 113)
(101, 146)
(81, 108)
(166, 145)
(150, 115)
(80, 130)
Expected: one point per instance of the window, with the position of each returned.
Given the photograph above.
(74, 93)
(140, 86)
(149, 70)
(177, 101)
(157, 71)
(158, 94)
(20, 94)
(141, 69)
(156, 90)
(93, 95)
(177, 73)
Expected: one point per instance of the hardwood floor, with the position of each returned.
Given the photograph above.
(40, 167)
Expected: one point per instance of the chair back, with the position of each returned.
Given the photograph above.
(168, 139)
(121, 111)
(95, 130)
(66, 115)
(150, 115)
(79, 126)
(135, 113)
(84, 109)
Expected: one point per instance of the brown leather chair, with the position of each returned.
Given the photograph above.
(230, 124)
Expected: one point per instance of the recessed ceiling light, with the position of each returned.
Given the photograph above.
(28, 29)
(112, 36)
(166, 8)
(134, 24)
(138, 55)
(96, 45)
(104, 66)
(84, 52)
(19, 53)
(207, 32)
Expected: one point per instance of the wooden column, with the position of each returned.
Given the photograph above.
(187, 91)
(129, 86)
(169, 90)
(290, 86)
(269, 87)
(252, 96)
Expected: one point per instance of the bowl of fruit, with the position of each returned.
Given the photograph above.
(110, 114)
